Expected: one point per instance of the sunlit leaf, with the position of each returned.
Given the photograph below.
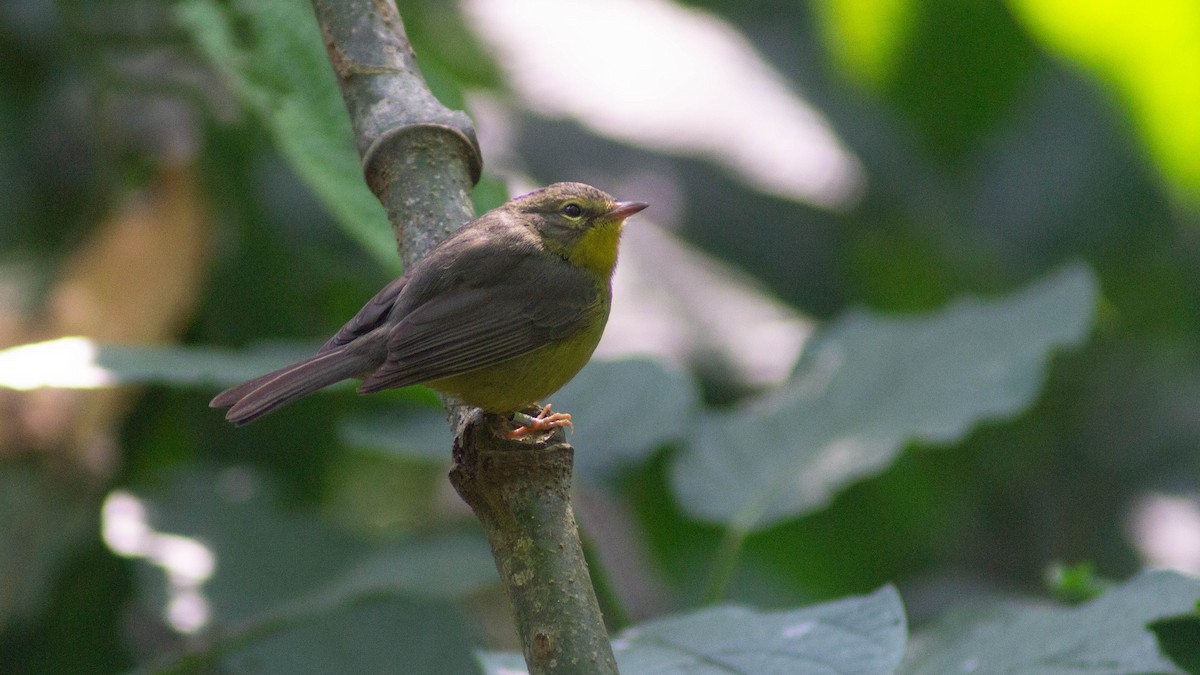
(1149, 55)
(865, 35)
(1106, 636)
(868, 384)
(272, 55)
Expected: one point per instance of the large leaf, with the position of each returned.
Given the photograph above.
(270, 52)
(863, 635)
(1107, 636)
(868, 384)
(80, 363)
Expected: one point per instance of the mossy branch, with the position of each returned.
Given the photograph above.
(421, 160)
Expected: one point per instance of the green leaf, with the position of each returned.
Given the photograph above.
(1075, 583)
(1105, 636)
(271, 54)
(1179, 638)
(855, 635)
(868, 384)
(1148, 55)
(78, 362)
(863, 634)
(179, 365)
(865, 38)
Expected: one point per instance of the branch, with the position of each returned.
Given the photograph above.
(421, 160)
(522, 496)
(419, 157)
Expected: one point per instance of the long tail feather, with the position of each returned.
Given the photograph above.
(266, 393)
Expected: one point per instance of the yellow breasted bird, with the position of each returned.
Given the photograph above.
(500, 315)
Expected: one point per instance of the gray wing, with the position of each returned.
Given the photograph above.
(465, 329)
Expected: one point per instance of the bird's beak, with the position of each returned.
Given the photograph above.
(624, 209)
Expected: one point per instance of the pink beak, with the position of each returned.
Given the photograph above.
(625, 209)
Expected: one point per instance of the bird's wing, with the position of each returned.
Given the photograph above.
(370, 317)
(466, 329)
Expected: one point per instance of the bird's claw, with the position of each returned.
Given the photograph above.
(544, 421)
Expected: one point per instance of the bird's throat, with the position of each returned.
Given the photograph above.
(596, 250)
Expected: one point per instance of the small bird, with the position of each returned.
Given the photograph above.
(500, 315)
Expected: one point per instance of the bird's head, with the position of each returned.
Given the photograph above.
(578, 222)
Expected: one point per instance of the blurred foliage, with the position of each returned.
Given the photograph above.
(1030, 156)
(1107, 635)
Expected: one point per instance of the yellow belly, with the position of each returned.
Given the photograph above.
(519, 382)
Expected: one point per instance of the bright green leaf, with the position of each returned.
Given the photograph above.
(1107, 636)
(271, 54)
(1149, 54)
(868, 384)
(865, 36)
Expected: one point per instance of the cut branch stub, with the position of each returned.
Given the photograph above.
(413, 148)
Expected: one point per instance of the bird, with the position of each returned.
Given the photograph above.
(500, 315)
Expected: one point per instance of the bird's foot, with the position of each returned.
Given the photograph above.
(544, 421)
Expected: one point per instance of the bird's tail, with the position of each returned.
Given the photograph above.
(251, 400)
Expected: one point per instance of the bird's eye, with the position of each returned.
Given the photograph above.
(572, 210)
